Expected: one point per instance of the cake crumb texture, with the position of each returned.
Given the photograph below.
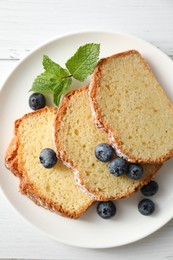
(132, 107)
(76, 138)
(53, 188)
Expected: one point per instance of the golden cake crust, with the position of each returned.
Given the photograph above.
(81, 174)
(15, 162)
(115, 138)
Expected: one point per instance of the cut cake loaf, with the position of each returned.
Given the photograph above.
(130, 105)
(53, 188)
(76, 138)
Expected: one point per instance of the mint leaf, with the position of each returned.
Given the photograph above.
(52, 76)
(54, 68)
(57, 80)
(82, 63)
(59, 89)
(45, 82)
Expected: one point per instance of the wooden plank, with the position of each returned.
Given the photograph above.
(26, 24)
(150, 20)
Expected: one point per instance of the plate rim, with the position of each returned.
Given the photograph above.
(23, 59)
(73, 33)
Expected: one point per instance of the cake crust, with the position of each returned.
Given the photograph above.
(81, 173)
(115, 138)
(15, 162)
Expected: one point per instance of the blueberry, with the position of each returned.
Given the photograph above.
(117, 167)
(106, 209)
(146, 207)
(135, 171)
(150, 189)
(37, 101)
(48, 158)
(104, 152)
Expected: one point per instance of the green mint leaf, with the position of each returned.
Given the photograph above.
(45, 82)
(57, 80)
(54, 68)
(82, 63)
(59, 89)
(52, 76)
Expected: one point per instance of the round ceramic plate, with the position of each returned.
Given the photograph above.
(90, 230)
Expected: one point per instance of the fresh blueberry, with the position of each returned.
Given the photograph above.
(150, 189)
(106, 209)
(48, 158)
(104, 152)
(117, 167)
(37, 101)
(135, 171)
(146, 207)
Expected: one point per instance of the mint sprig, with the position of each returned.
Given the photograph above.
(56, 79)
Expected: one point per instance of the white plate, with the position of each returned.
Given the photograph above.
(90, 231)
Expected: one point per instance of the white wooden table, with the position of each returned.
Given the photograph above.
(26, 23)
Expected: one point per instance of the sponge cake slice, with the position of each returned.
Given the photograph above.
(53, 188)
(76, 138)
(131, 106)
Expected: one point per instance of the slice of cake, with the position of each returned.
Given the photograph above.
(131, 106)
(53, 188)
(76, 138)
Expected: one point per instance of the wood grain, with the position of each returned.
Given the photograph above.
(24, 24)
